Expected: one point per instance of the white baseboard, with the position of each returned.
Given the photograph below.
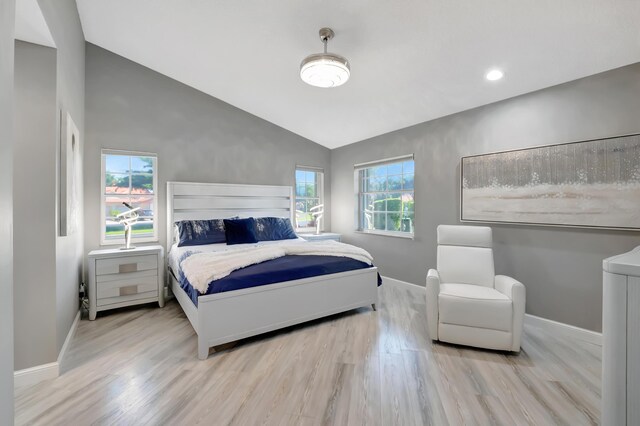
(548, 325)
(70, 334)
(398, 282)
(33, 375)
(564, 329)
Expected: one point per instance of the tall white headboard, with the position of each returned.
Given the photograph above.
(189, 200)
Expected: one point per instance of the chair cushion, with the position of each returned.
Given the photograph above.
(466, 265)
(466, 236)
(474, 306)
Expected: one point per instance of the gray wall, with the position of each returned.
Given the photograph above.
(49, 81)
(34, 204)
(7, 22)
(64, 23)
(561, 267)
(197, 137)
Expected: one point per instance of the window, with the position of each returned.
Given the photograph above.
(309, 194)
(129, 177)
(385, 196)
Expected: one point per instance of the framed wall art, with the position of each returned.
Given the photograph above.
(70, 175)
(593, 183)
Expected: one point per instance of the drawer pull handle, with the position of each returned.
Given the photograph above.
(128, 267)
(128, 291)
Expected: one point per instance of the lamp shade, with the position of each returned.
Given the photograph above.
(325, 70)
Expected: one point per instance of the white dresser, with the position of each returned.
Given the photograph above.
(120, 278)
(321, 236)
(621, 340)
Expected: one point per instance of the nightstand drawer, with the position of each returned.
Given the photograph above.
(126, 287)
(100, 279)
(124, 299)
(120, 265)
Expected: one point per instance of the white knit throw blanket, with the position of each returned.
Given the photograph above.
(203, 268)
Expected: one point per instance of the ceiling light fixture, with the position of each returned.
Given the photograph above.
(494, 74)
(325, 69)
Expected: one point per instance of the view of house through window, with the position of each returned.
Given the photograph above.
(129, 178)
(309, 194)
(385, 196)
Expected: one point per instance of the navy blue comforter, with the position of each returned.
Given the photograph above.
(287, 268)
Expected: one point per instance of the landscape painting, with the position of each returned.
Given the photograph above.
(593, 183)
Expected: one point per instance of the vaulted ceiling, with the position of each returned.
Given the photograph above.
(30, 24)
(411, 60)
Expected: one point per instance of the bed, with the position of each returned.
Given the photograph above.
(227, 316)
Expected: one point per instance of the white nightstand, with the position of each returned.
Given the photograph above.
(322, 236)
(120, 278)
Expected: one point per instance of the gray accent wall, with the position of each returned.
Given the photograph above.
(198, 138)
(34, 204)
(64, 23)
(7, 22)
(560, 267)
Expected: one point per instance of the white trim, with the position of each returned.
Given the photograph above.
(384, 161)
(118, 241)
(393, 281)
(551, 326)
(67, 340)
(139, 240)
(108, 151)
(309, 168)
(564, 329)
(319, 191)
(37, 374)
(396, 234)
(34, 375)
(359, 190)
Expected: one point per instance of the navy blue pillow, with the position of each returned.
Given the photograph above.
(274, 228)
(240, 231)
(200, 232)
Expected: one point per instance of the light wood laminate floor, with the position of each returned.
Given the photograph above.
(138, 366)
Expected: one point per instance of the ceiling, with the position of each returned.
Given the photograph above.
(30, 24)
(411, 60)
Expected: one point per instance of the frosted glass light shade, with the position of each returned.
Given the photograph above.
(325, 70)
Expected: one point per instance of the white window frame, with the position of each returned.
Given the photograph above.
(358, 189)
(320, 192)
(103, 234)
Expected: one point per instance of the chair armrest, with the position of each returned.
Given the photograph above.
(433, 279)
(508, 286)
(514, 290)
(433, 290)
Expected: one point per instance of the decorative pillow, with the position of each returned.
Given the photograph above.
(274, 228)
(176, 233)
(240, 231)
(200, 232)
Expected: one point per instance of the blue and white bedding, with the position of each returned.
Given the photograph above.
(218, 268)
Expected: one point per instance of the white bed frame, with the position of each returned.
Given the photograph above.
(226, 317)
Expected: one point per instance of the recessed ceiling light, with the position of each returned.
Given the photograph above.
(494, 74)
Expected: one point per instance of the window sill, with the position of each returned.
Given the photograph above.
(405, 235)
(134, 241)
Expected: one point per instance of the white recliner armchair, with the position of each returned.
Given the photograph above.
(467, 304)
